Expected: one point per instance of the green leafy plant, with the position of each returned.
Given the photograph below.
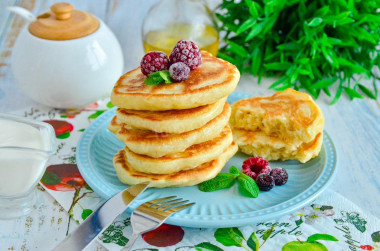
(308, 44)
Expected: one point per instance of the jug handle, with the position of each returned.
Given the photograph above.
(22, 12)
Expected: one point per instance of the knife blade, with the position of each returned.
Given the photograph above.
(100, 219)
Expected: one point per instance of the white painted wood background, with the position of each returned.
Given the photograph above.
(353, 126)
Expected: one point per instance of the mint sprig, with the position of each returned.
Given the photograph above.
(158, 77)
(221, 181)
(247, 186)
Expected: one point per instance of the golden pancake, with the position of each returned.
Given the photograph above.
(171, 121)
(157, 145)
(193, 156)
(212, 80)
(259, 144)
(206, 171)
(287, 115)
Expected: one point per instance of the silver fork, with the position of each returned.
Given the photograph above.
(152, 214)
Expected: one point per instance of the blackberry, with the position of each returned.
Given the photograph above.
(254, 166)
(186, 52)
(265, 182)
(179, 72)
(279, 175)
(154, 61)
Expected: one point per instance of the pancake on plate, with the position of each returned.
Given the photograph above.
(259, 144)
(171, 121)
(288, 115)
(212, 80)
(157, 145)
(193, 156)
(189, 177)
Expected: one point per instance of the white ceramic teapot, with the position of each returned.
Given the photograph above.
(66, 58)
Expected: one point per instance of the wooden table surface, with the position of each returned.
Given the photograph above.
(353, 125)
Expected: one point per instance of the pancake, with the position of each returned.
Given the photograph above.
(206, 171)
(172, 121)
(259, 144)
(190, 158)
(157, 145)
(287, 115)
(212, 80)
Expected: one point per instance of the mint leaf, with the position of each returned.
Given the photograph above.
(247, 186)
(317, 237)
(234, 171)
(158, 77)
(221, 181)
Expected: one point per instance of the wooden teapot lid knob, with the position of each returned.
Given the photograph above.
(63, 22)
(62, 11)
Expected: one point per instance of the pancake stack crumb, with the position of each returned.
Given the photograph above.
(174, 134)
(287, 125)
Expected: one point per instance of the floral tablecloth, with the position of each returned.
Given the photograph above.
(331, 222)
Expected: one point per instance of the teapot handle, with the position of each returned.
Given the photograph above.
(22, 12)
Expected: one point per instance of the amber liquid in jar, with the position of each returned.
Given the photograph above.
(205, 36)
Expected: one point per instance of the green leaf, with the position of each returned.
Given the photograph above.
(253, 242)
(318, 237)
(268, 233)
(208, 246)
(299, 222)
(110, 105)
(255, 61)
(324, 83)
(81, 130)
(239, 50)
(375, 236)
(352, 93)
(221, 181)
(255, 30)
(289, 46)
(252, 8)
(86, 213)
(51, 178)
(96, 114)
(315, 22)
(158, 77)
(229, 236)
(246, 25)
(278, 66)
(247, 186)
(64, 135)
(337, 94)
(234, 171)
(366, 91)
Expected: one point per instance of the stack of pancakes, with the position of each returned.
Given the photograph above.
(287, 125)
(174, 134)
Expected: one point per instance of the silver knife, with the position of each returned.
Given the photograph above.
(100, 219)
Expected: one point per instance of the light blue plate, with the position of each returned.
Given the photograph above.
(223, 208)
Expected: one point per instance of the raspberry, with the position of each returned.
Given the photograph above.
(154, 61)
(179, 71)
(254, 166)
(279, 175)
(265, 182)
(186, 52)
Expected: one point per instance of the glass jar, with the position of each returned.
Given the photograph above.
(169, 21)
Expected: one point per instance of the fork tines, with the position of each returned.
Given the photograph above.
(169, 204)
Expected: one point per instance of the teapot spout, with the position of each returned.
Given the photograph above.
(22, 12)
